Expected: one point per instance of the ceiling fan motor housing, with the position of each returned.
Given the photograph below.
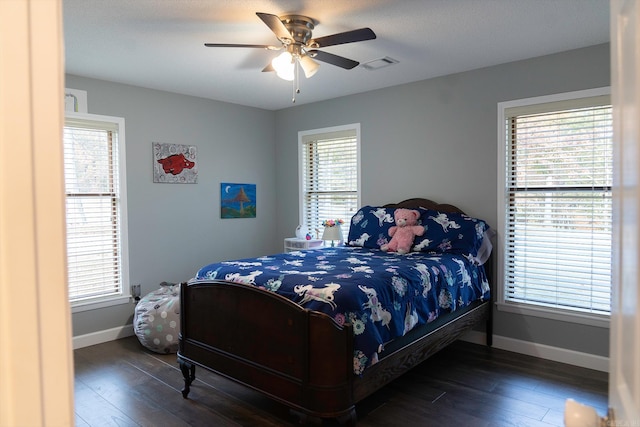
(300, 27)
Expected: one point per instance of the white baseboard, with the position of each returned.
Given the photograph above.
(99, 337)
(557, 354)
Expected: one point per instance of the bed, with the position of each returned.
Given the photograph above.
(320, 330)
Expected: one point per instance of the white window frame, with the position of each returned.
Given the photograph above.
(123, 297)
(303, 137)
(523, 308)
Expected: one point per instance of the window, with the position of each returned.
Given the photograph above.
(94, 169)
(329, 176)
(556, 205)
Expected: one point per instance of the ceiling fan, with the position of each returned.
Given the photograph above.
(295, 35)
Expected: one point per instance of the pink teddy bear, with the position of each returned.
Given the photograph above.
(403, 233)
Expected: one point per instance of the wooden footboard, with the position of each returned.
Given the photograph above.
(301, 358)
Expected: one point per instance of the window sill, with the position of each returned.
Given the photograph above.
(102, 303)
(600, 321)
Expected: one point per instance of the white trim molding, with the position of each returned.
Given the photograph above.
(543, 351)
(100, 337)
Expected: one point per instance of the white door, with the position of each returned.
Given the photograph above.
(36, 357)
(624, 370)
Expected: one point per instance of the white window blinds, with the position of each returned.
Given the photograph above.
(558, 176)
(329, 178)
(94, 209)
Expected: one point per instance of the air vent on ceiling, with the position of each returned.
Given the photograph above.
(376, 64)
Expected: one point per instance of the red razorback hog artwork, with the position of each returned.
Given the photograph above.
(175, 164)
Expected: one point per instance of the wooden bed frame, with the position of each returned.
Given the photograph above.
(301, 358)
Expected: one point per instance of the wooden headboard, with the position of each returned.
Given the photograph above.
(424, 203)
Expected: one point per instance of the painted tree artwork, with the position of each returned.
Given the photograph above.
(237, 200)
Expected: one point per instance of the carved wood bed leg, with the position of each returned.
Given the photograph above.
(189, 374)
(348, 419)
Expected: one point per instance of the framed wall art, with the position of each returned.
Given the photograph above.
(237, 200)
(175, 163)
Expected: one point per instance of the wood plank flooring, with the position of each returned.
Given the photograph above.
(120, 383)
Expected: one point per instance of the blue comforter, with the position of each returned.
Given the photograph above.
(383, 295)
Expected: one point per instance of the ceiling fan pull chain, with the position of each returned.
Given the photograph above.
(296, 87)
(293, 85)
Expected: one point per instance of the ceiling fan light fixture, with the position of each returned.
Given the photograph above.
(309, 66)
(284, 64)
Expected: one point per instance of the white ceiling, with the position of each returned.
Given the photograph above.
(159, 44)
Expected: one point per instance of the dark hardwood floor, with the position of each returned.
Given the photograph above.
(120, 383)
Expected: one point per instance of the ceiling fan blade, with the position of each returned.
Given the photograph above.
(342, 38)
(261, 46)
(275, 24)
(268, 68)
(332, 59)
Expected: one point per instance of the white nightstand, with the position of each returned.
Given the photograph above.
(295, 244)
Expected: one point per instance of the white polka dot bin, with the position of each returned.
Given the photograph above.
(156, 321)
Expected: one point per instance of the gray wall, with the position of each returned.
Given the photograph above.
(435, 138)
(438, 139)
(176, 228)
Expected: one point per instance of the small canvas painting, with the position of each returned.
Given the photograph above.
(237, 200)
(175, 163)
